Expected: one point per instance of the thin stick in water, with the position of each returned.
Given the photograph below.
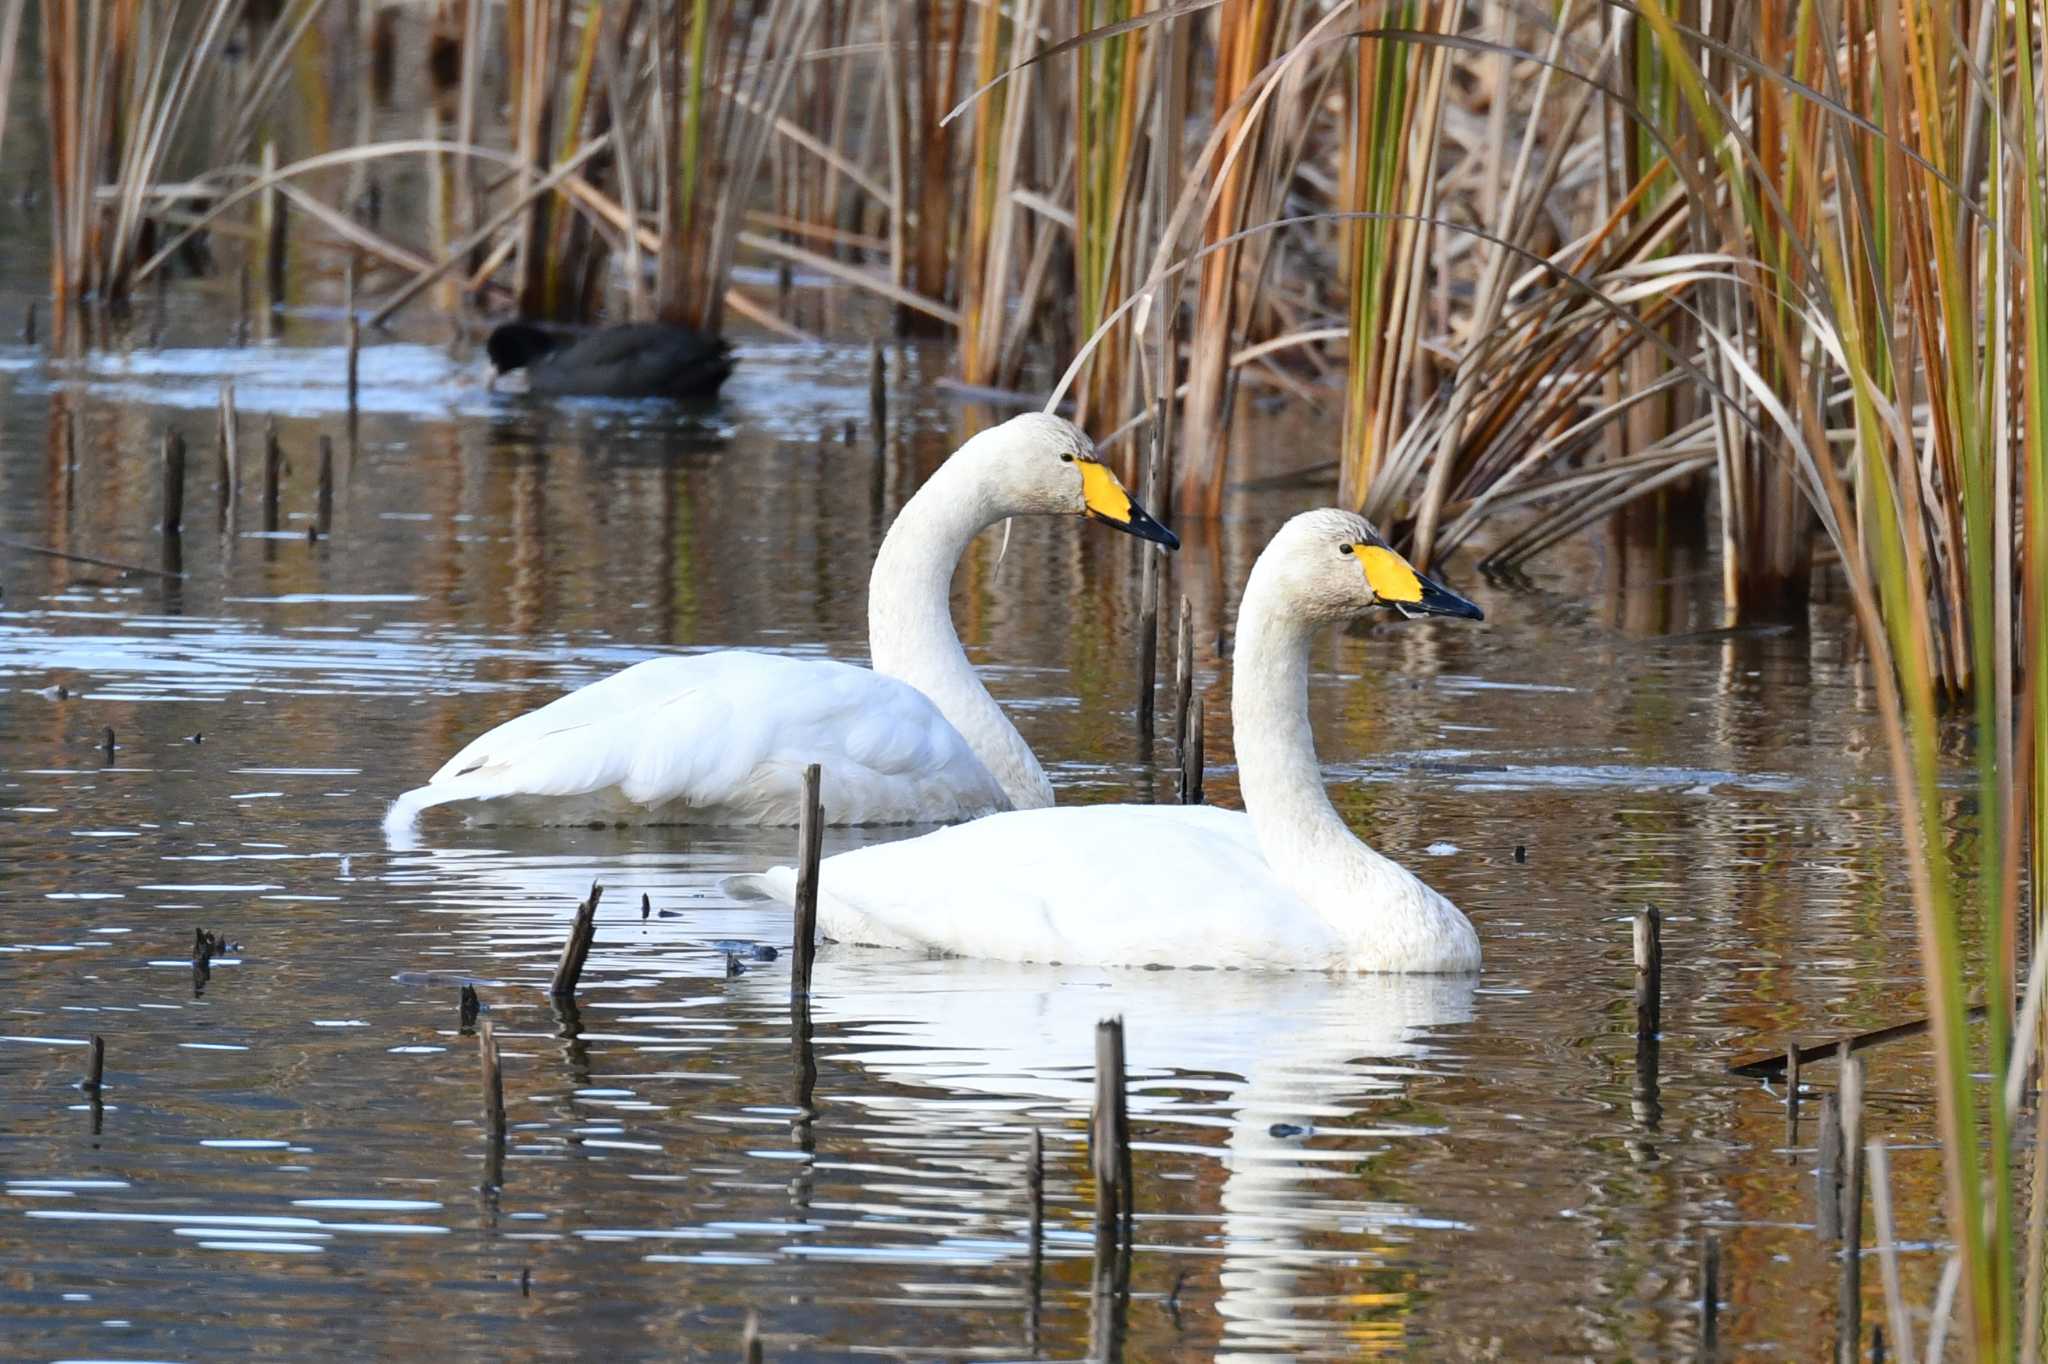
(1148, 609)
(1191, 756)
(750, 1339)
(323, 514)
(1183, 675)
(809, 840)
(273, 213)
(1109, 1139)
(1792, 1096)
(355, 331)
(174, 483)
(96, 1069)
(28, 325)
(273, 469)
(878, 397)
(1849, 1305)
(1649, 954)
(576, 951)
(228, 480)
(1827, 1167)
(494, 1080)
(469, 1008)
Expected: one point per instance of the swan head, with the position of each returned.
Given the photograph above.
(1335, 566)
(1042, 465)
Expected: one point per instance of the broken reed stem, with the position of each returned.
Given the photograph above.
(355, 331)
(1649, 953)
(878, 396)
(1191, 756)
(174, 483)
(1109, 1140)
(1034, 1186)
(810, 837)
(242, 303)
(96, 1069)
(273, 469)
(28, 325)
(469, 1008)
(1792, 1094)
(494, 1080)
(1148, 607)
(323, 513)
(228, 479)
(273, 210)
(750, 1339)
(1879, 1164)
(576, 951)
(1849, 1308)
(1827, 1167)
(1710, 1296)
(1183, 675)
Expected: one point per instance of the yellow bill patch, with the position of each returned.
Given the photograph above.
(1391, 577)
(1103, 494)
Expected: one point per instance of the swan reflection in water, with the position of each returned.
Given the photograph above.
(1280, 1061)
(1305, 1075)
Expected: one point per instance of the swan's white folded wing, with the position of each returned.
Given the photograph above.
(1111, 885)
(719, 738)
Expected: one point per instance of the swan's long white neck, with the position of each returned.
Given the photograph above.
(910, 620)
(1391, 918)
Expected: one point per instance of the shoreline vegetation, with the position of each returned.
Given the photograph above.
(1772, 273)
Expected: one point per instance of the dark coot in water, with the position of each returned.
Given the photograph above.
(638, 360)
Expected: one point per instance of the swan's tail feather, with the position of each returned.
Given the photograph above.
(777, 883)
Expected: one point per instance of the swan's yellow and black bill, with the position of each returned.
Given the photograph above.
(1395, 582)
(1108, 502)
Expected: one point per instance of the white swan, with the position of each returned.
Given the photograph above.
(1284, 885)
(723, 738)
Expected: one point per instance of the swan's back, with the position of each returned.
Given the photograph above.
(718, 738)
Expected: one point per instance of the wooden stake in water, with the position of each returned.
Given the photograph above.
(878, 396)
(1792, 1095)
(228, 480)
(1191, 756)
(494, 1080)
(174, 483)
(273, 214)
(1827, 1169)
(576, 951)
(1849, 1305)
(273, 470)
(1148, 605)
(1710, 1296)
(96, 1069)
(1109, 1140)
(1183, 675)
(323, 512)
(1649, 952)
(355, 331)
(810, 836)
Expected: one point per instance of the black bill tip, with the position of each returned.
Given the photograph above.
(1144, 526)
(1438, 600)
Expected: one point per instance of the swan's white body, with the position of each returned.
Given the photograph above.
(724, 738)
(1284, 885)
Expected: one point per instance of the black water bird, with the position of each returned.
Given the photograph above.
(636, 360)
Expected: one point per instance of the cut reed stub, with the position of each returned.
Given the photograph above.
(1191, 756)
(1649, 956)
(173, 467)
(1109, 1140)
(469, 1007)
(576, 951)
(28, 325)
(810, 841)
(96, 1068)
(323, 507)
(273, 472)
(493, 1078)
(750, 1339)
(1849, 1302)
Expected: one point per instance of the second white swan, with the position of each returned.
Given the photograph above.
(723, 738)
(1283, 885)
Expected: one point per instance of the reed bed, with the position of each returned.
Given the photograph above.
(1769, 271)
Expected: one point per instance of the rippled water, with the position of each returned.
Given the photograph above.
(288, 1157)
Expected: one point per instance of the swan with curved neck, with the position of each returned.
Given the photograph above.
(723, 738)
(1285, 884)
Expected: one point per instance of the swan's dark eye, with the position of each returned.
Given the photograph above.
(1343, 549)
(1067, 458)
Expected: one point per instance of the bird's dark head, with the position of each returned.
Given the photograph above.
(517, 344)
